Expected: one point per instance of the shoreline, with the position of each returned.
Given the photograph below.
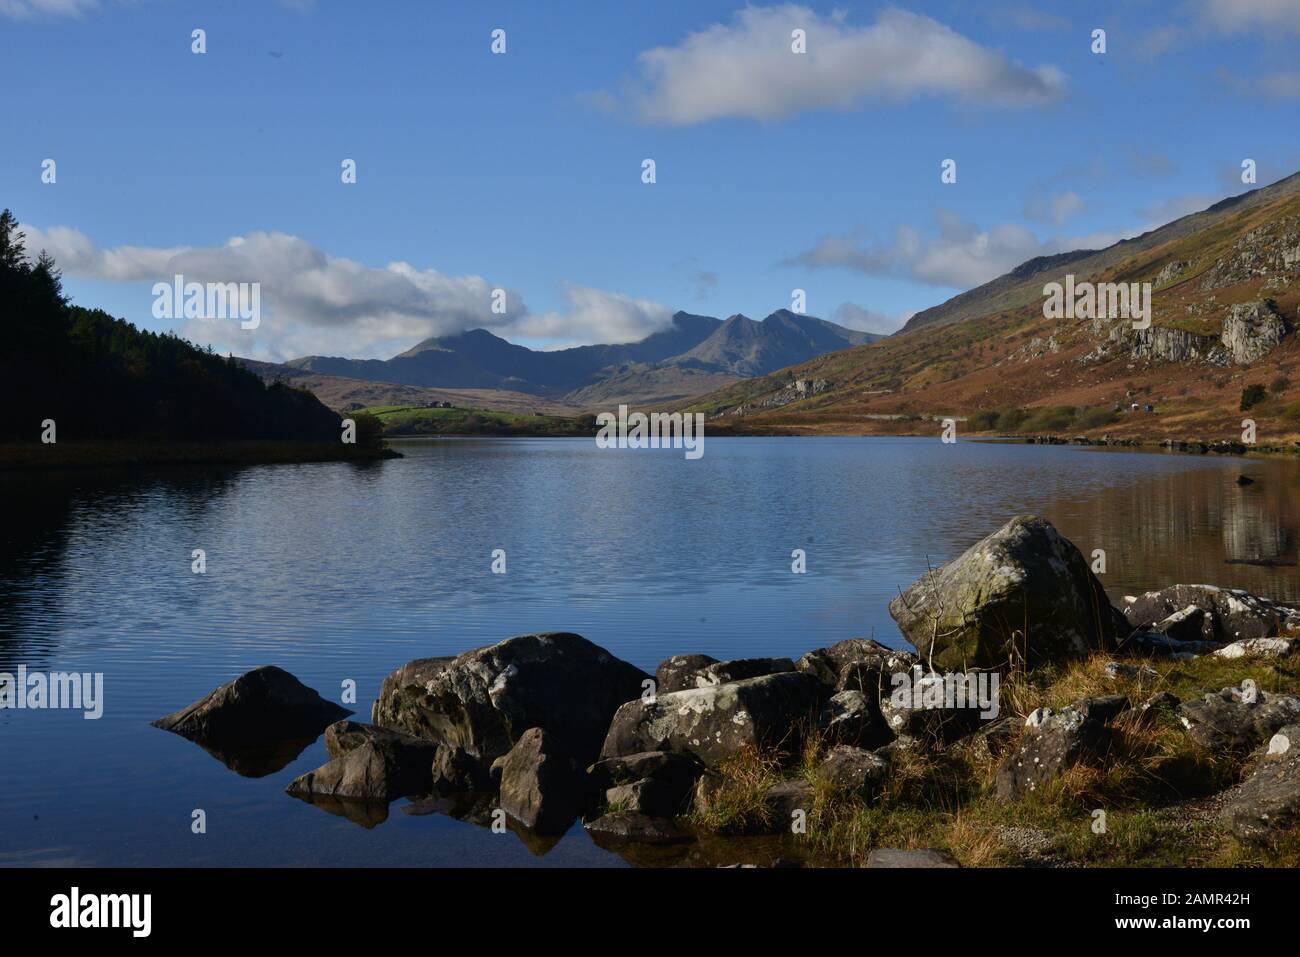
(27, 457)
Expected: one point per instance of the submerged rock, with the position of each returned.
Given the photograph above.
(541, 787)
(1024, 594)
(715, 722)
(265, 704)
(483, 700)
(621, 826)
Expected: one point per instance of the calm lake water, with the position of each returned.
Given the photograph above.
(341, 571)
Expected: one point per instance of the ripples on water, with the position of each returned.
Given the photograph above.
(341, 571)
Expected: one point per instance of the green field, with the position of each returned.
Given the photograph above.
(419, 420)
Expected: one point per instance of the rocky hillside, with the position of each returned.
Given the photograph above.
(1221, 347)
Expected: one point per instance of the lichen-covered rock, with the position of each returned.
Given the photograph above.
(715, 722)
(541, 787)
(378, 768)
(1024, 593)
(264, 704)
(851, 717)
(1267, 804)
(1260, 648)
(739, 669)
(1149, 643)
(678, 672)
(932, 708)
(1230, 614)
(483, 700)
(1237, 718)
(853, 770)
(856, 664)
(1053, 741)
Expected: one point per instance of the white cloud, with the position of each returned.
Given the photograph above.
(26, 9)
(852, 316)
(746, 68)
(1252, 14)
(962, 255)
(1054, 209)
(315, 303)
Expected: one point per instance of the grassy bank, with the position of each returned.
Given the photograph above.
(34, 456)
(1159, 790)
(414, 420)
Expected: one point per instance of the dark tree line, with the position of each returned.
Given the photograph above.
(99, 377)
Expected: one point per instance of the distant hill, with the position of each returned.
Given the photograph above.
(1222, 346)
(1024, 284)
(695, 354)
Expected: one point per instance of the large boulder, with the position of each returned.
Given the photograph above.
(715, 722)
(483, 700)
(1226, 614)
(1267, 803)
(377, 767)
(1024, 593)
(1053, 741)
(1237, 719)
(265, 704)
(541, 787)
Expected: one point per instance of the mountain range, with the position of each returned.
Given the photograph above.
(695, 354)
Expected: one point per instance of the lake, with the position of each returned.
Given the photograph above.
(342, 572)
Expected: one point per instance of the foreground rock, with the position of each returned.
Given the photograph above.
(1024, 593)
(897, 857)
(1260, 648)
(378, 766)
(715, 722)
(1053, 742)
(1237, 718)
(620, 826)
(1268, 803)
(265, 704)
(653, 783)
(540, 785)
(854, 770)
(484, 700)
(1220, 615)
(857, 664)
(854, 718)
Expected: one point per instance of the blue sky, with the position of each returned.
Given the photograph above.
(523, 171)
